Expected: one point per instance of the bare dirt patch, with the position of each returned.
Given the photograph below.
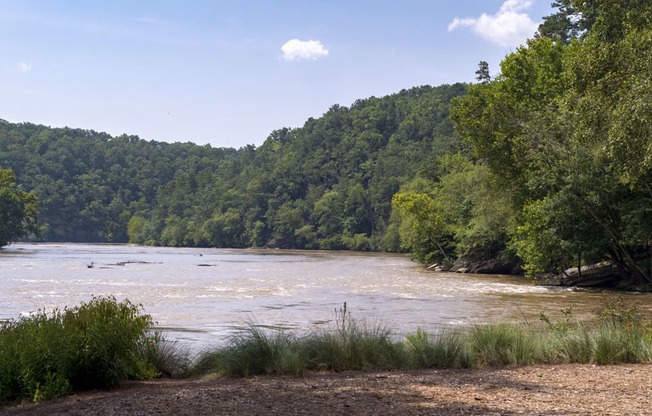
(540, 390)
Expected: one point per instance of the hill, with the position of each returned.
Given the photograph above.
(328, 184)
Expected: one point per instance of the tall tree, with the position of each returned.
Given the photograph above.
(18, 211)
(572, 21)
(482, 73)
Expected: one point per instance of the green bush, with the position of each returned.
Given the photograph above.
(94, 345)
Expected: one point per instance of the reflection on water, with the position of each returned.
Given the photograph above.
(201, 296)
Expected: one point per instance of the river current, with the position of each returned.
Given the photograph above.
(201, 296)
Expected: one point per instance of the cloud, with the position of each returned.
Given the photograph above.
(297, 50)
(508, 27)
(24, 67)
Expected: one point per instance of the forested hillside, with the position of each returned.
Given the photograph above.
(328, 184)
(560, 173)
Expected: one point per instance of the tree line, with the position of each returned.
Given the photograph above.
(326, 185)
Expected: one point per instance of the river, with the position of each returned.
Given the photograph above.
(200, 296)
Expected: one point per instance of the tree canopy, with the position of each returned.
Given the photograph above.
(565, 128)
(18, 213)
(328, 184)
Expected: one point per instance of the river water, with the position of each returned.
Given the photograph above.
(200, 296)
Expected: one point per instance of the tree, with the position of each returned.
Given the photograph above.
(569, 23)
(18, 209)
(566, 127)
(482, 73)
(423, 227)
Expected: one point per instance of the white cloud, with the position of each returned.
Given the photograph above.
(296, 50)
(24, 67)
(508, 27)
(515, 5)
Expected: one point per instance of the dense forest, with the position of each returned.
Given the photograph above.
(546, 165)
(325, 185)
(560, 167)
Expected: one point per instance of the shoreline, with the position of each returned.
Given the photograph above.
(533, 390)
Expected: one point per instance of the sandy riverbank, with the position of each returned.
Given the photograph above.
(538, 390)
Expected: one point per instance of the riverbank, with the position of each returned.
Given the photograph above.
(535, 390)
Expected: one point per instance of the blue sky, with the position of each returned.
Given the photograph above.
(228, 73)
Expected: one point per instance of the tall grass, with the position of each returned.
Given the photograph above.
(94, 345)
(258, 351)
(501, 345)
(350, 344)
(447, 349)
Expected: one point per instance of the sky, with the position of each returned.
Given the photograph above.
(228, 73)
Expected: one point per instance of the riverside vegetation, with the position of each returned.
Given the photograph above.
(103, 342)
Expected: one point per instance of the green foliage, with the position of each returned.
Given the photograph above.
(138, 230)
(327, 184)
(617, 312)
(18, 210)
(572, 21)
(95, 345)
(423, 230)
(565, 127)
(461, 213)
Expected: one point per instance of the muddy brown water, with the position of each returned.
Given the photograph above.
(201, 296)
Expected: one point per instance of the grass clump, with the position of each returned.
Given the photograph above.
(256, 351)
(348, 345)
(618, 334)
(502, 345)
(94, 345)
(447, 349)
(352, 344)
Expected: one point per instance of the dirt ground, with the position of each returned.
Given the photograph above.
(540, 390)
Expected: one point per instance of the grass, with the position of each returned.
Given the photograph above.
(351, 344)
(99, 344)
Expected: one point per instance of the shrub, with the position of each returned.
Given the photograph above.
(94, 345)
